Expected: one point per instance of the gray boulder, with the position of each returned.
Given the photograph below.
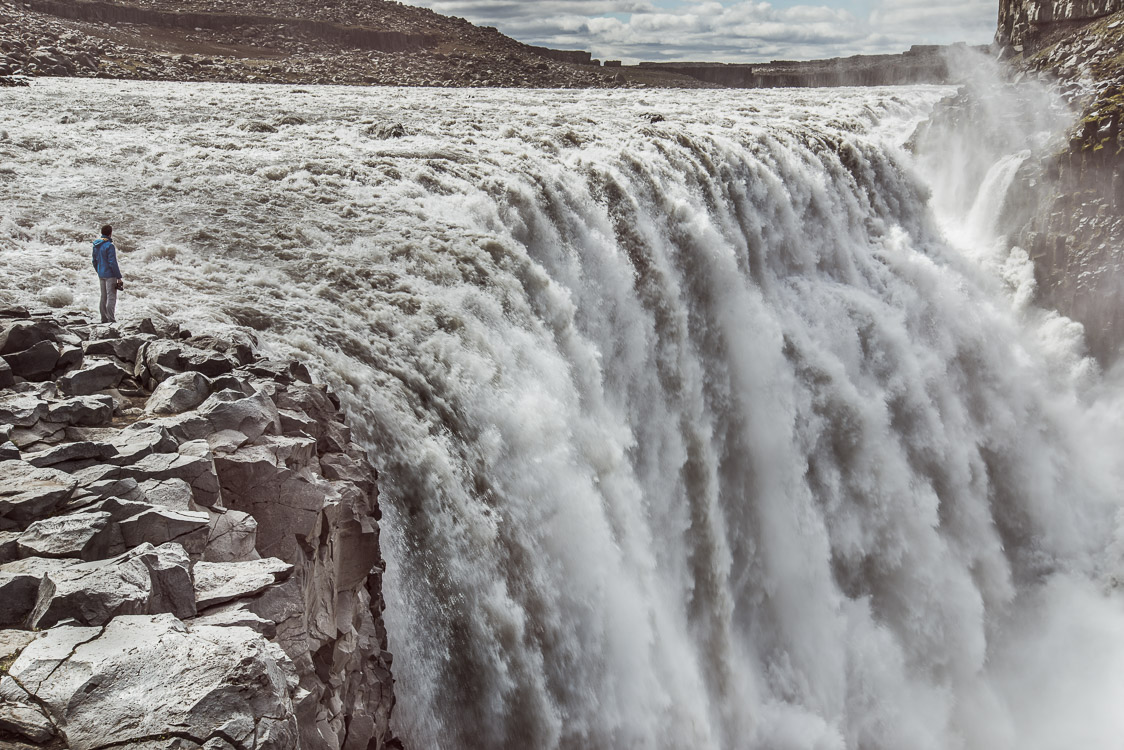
(22, 409)
(174, 494)
(214, 686)
(69, 453)
(123, 489)
(7, 379)
(91, 379)
(235, 615)
(124, 348)
(161, 359)
(311, 401)
(189, 529)
(69, 357)
(43, 432)
(232, 537)
(83, 411)
(86, 536)
(28, 493)
(20, 335)
(285, 503)
(193, 463)
(9, 546)
(226, 411)
(120, 509)
(138, 441)
(25, 721)
(295, 423)
(34, 363)
(179, 393)
(216, 583)
(19, 588)
(341, 467)
(145, 580)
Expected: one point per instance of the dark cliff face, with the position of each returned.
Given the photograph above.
(921, 64)
(1025, 24)
(1066, 207)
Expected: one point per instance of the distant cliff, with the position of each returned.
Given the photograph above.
(1066, 206)
(921, 64)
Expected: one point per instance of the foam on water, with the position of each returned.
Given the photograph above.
(694, 433)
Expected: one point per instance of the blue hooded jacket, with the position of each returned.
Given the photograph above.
(105, 259)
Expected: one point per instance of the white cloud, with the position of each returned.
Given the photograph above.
(736, 31)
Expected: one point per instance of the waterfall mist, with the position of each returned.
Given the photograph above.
(702, 432)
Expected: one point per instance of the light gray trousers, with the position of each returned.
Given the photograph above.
(108, 300)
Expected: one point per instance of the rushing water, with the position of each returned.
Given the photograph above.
(695, 433)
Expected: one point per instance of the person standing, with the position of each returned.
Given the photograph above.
(109, 275)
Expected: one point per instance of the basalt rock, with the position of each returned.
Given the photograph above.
(217, 554)
(210, 686)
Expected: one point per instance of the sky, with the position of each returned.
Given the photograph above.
(732, 30)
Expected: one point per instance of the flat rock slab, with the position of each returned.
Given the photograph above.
(83, 411)
(126, 489)
(193, 464)
(146, 580)
(157, 526)
(28, 493)
(70, 452)
(134, 443)
(179, 393)
(124, 348)
(154, 676)
(233, 615)
(216, 583)
(34, 363)
(19, 588)
(232, 538)
(26, 721)
(86, 536)
(9, 546)
(91, 379)
(174, 494)
(24, 334)
(22, 409)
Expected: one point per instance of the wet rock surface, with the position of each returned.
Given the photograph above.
(1066, 208)
(167, 534)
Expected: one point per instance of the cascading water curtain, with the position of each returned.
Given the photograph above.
(692, 434)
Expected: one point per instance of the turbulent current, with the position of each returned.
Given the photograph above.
(705, 419)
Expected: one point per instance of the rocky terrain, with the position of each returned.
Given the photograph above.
(1067, 205)
(362, 43)
(376, 43)
(189, 547)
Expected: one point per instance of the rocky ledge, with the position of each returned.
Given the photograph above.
(189, 547)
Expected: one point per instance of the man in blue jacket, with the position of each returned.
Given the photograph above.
(109, 275)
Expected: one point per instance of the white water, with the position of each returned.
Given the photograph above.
(694, 434)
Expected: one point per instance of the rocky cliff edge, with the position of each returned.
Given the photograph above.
(189, 547)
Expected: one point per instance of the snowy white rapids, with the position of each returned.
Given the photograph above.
(705, 420)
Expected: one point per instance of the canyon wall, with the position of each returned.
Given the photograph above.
(1024, 24)
(182, 519)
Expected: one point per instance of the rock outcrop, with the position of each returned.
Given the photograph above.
(1024, 25)
(274, 41)
(1065, 207)
(189, 548)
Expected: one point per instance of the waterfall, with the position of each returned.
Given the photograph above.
(695, 430)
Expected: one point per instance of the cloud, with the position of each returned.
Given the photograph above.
(733, 31)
